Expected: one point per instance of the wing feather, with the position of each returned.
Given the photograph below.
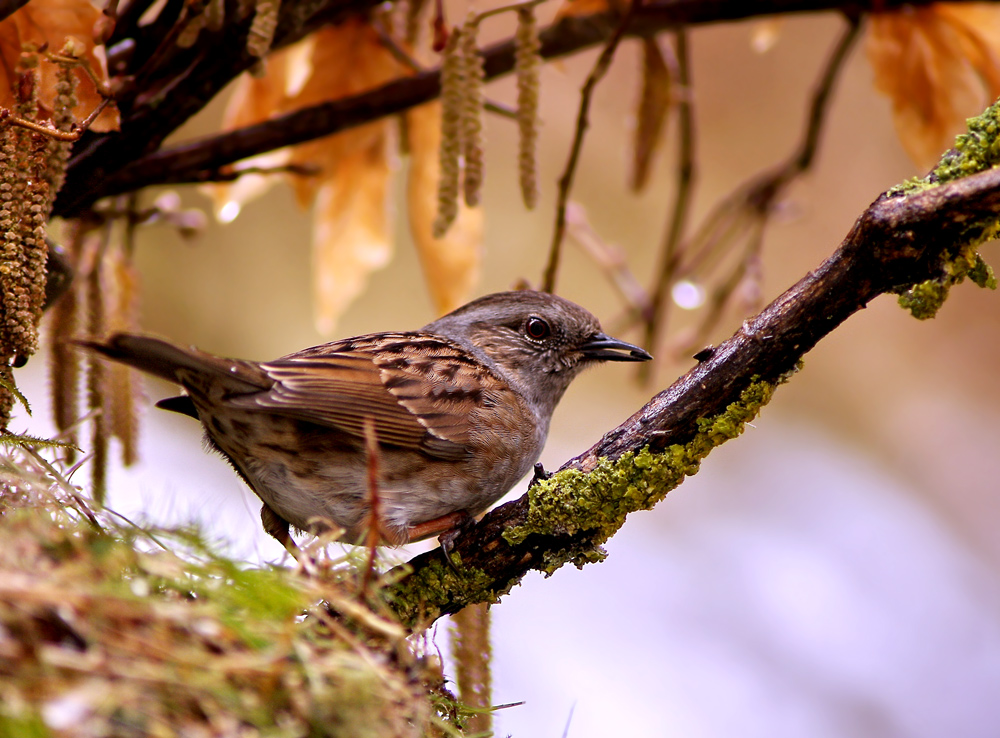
(421, 390)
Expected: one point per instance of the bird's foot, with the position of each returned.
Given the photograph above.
(463, 522)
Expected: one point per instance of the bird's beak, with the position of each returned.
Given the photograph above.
(605, 348)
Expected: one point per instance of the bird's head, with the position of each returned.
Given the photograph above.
(538, 341)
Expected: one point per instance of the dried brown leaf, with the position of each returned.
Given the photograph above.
(350, 232)
(576, 8)
(451, 264)
(651, 115)
(938, 65)
(49, 23)
(349, 195)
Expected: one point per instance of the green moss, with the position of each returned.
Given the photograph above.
(598, 500)
(29, 725)
(924, 299)
(982, 274)
(436, 585)
(976, 150)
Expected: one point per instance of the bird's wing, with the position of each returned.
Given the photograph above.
(419, 389)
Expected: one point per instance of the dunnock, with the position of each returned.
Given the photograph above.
(460, 410)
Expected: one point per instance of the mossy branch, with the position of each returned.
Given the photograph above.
(926, 232)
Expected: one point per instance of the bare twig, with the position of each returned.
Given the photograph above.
(375, 520)
(677, 222)
(743, 215)
(582, 122)
(108, 164)
(9, 118)
(609, 257)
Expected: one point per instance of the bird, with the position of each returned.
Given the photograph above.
(456, 412)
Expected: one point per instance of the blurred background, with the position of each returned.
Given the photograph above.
(835, 571)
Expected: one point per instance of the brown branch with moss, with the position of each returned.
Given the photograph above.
(916, 241)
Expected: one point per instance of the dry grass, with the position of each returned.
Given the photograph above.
(107, 629)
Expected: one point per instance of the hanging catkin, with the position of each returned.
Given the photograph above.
(452, 85)
(472, 113)
(527, 66)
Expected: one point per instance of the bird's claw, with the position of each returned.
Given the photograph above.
(449, 537)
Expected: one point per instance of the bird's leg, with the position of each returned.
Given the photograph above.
(278, 528)
(447, 528)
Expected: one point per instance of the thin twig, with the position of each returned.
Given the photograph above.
(582, 122)
(670, 258)
(821, 95)
(133, 158)
(506, 8)
(81, 504)
(9, 118)
(753, 200)
(375, 521)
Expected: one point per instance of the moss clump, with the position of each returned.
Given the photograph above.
(104, 632)
(924, 299)
(976, 150)
(598, 500)
(437, 585)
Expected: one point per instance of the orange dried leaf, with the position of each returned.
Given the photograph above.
(577, 8)
(938, 65)
(451, 264)
(350, 233)
(651, 116)
(349, 195)
(49, 23)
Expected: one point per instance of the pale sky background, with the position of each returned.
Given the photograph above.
(834, 572)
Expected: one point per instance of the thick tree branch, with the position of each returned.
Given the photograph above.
(111, 164)
(899, 241)
(161, 85)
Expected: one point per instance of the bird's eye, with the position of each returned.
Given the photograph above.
(537, 329)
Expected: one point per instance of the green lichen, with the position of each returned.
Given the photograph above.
(598, 500)
(924, 299)
(982, 274)
(430, 588)
(976, 150)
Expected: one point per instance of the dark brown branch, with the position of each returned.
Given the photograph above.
(597, 73)
(898, 241)
(163, 85)
(110, 164)
(8, 7)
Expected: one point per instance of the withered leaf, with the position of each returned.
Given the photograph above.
(938, 64)
(651, 113)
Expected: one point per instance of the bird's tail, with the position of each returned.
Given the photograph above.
(163, 359)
